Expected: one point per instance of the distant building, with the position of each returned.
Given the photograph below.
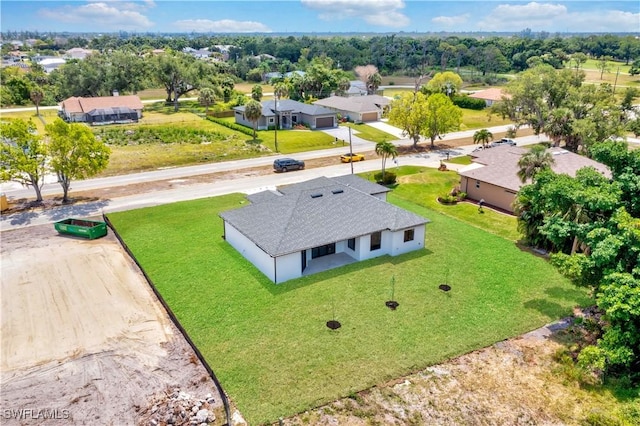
(288, 113)
(77, 53)
(358, 109)
(490, 96)
(102, 110)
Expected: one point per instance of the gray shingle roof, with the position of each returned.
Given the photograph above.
(269, 108)
(315, 213)
(369, 103)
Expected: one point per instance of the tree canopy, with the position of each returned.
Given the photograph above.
(74, 153)
(22, 155)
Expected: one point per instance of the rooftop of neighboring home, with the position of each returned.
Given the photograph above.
(499, 165)
(355, 103)
(317, 212)
(492, 94)
(79, 104)
(269, 108)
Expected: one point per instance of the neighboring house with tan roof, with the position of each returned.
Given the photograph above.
(490, 96)
(358, 109)
(320, 224)
(102, 109)
(493, 175)
(77, 53)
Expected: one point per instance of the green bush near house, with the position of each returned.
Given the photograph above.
(269, 344)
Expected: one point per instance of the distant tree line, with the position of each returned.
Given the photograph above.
(126, 63)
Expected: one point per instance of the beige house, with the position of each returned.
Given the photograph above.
(490, 96)
(359, 109)
(102, 109)
(492, 176)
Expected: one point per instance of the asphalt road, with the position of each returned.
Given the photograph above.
(196, 191)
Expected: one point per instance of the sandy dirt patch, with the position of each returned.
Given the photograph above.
(84, 339)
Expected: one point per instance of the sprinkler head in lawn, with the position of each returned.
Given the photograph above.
(333, 324)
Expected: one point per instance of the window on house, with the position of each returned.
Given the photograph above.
(376, 241)
(477, 184)
(271, 120)
(351, 243)
(294, 118)
(409, 235)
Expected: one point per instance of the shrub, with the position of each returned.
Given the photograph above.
(233, 126)
(389, 178)
(447, 199)
(464, 101)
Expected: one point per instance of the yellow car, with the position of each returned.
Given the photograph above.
(347, 158)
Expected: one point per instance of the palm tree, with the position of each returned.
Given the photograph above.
(253, 112)
(483, 136)
(385, 150)
(559, 125)
(533, 162)
(373, 82)
(37, 95)
(207, 97)
(281, 89)
(256, 93)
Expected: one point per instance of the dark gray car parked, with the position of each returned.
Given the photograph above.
(286, 164)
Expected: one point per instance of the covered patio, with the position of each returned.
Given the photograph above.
(324, 263)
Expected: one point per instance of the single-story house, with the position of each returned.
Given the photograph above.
(490, 96)
(492, 176)
(358, 109)
(287, 113)
(102, 110)
(78, 53)
(357, 88)
(320, 224)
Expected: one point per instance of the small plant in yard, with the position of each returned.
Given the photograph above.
(389, 178)
(448, 199)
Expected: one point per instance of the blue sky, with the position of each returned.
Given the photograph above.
(378, 16)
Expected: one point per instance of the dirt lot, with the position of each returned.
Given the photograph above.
(84, 338)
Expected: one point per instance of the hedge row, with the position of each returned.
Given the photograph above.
(464, 101)
(233, 126)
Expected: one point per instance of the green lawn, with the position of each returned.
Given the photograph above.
(366, 132)
(269, 345)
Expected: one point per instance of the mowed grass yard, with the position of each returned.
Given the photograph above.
(269, 344)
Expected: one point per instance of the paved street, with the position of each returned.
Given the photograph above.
(195, 191)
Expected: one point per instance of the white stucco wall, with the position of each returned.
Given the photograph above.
(288, 267)
(364, 246)
(399, 246)
(250, 251)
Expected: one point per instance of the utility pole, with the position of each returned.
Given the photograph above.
(350, 150)
(277, 120)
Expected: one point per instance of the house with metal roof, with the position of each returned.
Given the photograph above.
(102, 109)
(493, 174)
(287, 113)
(320, 224)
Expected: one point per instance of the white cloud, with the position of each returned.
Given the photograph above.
(607, 21)
(451, 21)
(99, 15)
(557, 17)
(537, 16)
(222, 26)
(384, 13)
